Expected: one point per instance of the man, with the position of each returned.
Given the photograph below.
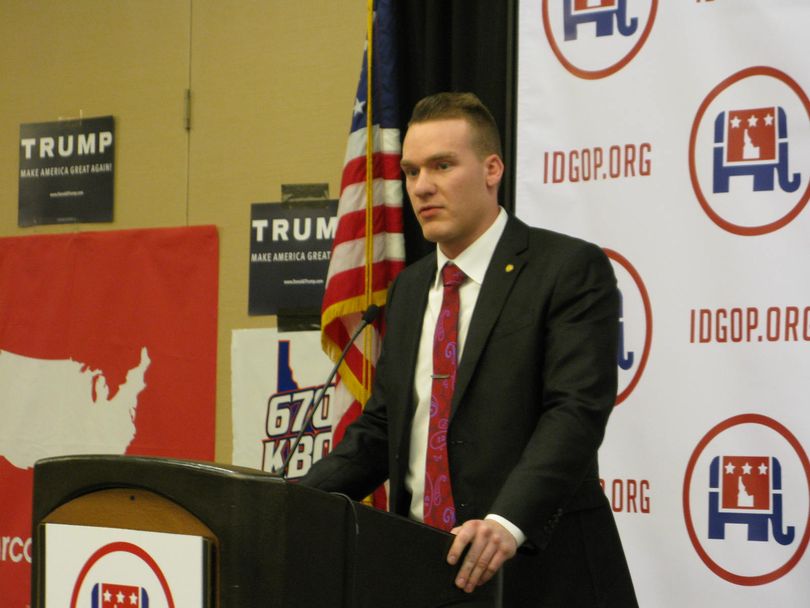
(526, 394)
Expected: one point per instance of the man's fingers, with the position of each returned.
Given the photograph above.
(477, 557)
(463, 537)
(485, 564)
(490, 545)
(482, 568)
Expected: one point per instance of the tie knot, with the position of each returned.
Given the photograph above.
(452, 275)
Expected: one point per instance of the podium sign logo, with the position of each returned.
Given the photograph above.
(108, 595)
(94, 567)
(121, 559)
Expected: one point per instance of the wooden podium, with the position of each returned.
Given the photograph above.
(274, 544)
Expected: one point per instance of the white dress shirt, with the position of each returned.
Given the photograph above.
(473, 261)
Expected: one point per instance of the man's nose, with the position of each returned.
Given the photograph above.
(423, 184)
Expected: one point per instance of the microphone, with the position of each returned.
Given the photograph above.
(368, 318)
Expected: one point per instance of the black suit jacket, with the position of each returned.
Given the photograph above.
(535, 386)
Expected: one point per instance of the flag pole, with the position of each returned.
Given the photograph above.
(369, 289)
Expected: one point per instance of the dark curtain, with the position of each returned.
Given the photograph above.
(459, 45)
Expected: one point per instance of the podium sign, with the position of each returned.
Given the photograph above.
(97, 567)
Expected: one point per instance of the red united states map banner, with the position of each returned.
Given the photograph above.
(107, 345)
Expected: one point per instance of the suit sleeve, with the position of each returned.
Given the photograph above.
(578, 370)
(359, 463)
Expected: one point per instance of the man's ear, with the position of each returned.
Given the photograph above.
(493, 166)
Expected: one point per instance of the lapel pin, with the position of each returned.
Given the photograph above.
(509, 268)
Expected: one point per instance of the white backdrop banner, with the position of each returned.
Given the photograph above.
(677, 136)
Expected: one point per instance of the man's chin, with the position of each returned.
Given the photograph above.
(432, 235)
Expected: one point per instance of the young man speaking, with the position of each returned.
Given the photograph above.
(495, 382)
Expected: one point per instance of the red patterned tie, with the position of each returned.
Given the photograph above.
(439, 510)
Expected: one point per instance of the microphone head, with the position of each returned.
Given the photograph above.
(371, 314)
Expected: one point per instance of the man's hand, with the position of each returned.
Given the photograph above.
(492, 545)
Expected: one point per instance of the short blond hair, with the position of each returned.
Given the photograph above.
(467, 106)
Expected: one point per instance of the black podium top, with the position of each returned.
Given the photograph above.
(277, 544)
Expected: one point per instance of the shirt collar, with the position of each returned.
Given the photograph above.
(474, 260)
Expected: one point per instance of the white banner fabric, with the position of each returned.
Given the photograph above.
(676, 135)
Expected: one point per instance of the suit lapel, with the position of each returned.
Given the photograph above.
(506, 265)
(412, 297)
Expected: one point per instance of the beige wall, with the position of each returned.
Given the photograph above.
(272, 84)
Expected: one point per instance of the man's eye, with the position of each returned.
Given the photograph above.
(443, 166)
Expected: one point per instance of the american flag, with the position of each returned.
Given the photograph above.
(361, 268)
